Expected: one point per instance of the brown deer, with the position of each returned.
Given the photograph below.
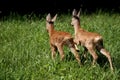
(89, 40)
(59, 38)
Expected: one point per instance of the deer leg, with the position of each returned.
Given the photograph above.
(53, 49)
(74, 41)
(60, 49)
(73, 50)
(107, 54)
(94, 55)
(72, 47)
(101, 48)
(77, 48)
(85, 52)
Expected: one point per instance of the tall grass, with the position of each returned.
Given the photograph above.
(25, 53)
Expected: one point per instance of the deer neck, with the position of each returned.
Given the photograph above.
(76, 28)
(51, 30)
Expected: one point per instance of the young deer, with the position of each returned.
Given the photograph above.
(59, 38)
(89, 40)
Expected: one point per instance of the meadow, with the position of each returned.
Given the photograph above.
(25, 52)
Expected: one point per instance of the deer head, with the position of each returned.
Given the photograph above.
(75, 17)
(50, 22)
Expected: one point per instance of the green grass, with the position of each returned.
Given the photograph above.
(25, 52)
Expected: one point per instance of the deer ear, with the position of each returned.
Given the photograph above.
(79, 13)
(54, 18)
(74, 13)
(48, 17)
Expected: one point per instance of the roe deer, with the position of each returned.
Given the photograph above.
(59, 38)
(89, 40)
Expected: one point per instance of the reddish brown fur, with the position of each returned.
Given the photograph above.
(59, 38)
(89, 40)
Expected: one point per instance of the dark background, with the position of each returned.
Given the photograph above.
(55, 6)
